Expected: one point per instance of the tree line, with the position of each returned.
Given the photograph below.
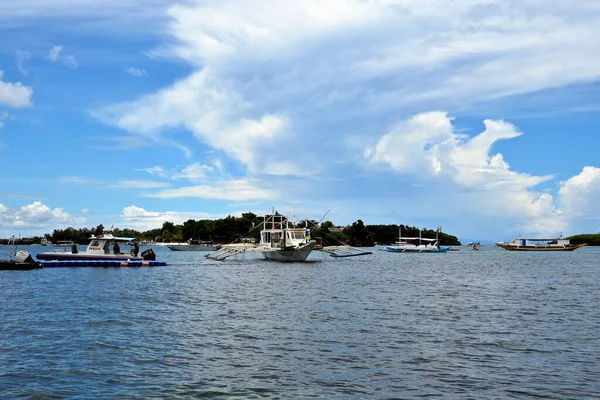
(231, 229)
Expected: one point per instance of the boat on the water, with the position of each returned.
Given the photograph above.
(64, 243)
(280, 242)
(21, 261)
(195, 245)
(416, 244)
(528, 244)
(98, 249)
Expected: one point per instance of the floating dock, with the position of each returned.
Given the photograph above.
(101, 263)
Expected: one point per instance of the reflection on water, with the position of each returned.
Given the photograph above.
(485, 324)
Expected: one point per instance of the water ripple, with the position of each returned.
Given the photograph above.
(487, 324)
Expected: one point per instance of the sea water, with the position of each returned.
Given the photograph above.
(465, 324)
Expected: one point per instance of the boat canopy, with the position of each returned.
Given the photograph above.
(111, 237)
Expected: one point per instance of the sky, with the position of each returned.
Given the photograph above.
(478, 116)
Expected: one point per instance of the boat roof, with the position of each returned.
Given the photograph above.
(538, 239)
(111, 237)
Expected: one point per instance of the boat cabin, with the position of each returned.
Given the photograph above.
(100, 244)
(526, 242)
(277, 235)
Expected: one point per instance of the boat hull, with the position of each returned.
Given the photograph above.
(15, 266)
(82, 256)
(191, 247)
(291, 254)
(393, 249)
(540, 248)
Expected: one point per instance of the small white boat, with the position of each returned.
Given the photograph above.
(416, 245)
(98, 249)
(195, 245)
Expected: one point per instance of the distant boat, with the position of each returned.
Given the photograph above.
(195, 245)
(45, 242)
(64, 243)
(416, 245)
(527, 244)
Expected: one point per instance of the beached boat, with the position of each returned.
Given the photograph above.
(416, 244)
(528, 244)
(98, 249)
(195, 245)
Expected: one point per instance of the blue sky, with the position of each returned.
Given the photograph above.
(478, 116)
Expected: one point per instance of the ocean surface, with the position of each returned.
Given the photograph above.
(487, 324)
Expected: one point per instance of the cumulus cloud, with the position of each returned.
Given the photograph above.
(426, 145)
(580, 195)
(14, 94)
(56, 55)
(36, 217)
(137, 72)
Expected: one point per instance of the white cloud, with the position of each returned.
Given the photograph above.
(20, 58)
(194, 172)
(121, 184)
(209, 108)
(140, 219)
(14, 94)
(35, 217)
(579, 196)
(236, 190)
(427, 146)
(137, 72)
(56, 55)
(275, 75)
(132, 184)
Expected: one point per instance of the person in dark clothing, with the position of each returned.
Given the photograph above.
(116, 248)
(136, 249)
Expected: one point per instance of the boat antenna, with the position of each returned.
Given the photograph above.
(323, 217)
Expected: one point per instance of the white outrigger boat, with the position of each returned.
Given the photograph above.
(280, 242)
(409, 244)
(98, 249)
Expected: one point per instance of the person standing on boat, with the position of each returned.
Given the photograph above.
(116, 248)
(136, 248)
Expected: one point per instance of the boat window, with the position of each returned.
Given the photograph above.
(266, 237)
(94, 243)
